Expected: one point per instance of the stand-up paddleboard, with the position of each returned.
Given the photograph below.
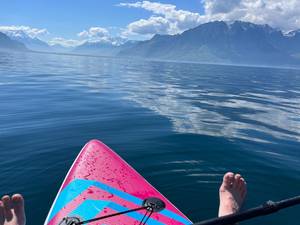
(101, 184)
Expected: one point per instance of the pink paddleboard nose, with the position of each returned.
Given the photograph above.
(101, 183)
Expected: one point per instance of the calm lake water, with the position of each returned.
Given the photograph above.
(182, 126)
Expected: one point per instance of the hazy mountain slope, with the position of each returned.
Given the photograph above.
(32, 43)
(9, 44)
(102, 49)
(96, 48)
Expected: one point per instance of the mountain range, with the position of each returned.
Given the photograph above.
(214, 42)
(33, 43)
(221, 42)
(103, 48)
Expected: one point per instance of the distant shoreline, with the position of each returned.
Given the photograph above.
(157, 60)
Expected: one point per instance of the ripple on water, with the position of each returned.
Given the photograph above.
(181, 125)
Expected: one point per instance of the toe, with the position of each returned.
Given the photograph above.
(7, 207)
(2, 215)
(17, 199)
(241, 183)
(18, 205)
(227, 180)
(236, 181)
(5, 199)
(244, 187)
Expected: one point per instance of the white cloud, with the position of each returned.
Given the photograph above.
(73, 42)
(156, 7)
(167, 19)
(279, 14)
(94, 33)
(100, 34)
(22, 31)
(153, 25)
(65, 42)
(220, 6)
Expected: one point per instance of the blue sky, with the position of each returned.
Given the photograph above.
(68, 17)
(72, 20)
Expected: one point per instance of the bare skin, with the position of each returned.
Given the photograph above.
(232, 194)
(12, 210)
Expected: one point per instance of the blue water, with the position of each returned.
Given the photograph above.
(182, 126)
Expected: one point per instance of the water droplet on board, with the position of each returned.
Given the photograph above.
(110, 196)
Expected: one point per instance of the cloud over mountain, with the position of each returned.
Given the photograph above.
(94, 33)
(220, 6)
(167, 19)
(280, 13)
(153, 25)
(100, 34)
(20, 31)
(64, 42)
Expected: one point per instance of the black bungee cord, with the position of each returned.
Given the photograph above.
(151, 205)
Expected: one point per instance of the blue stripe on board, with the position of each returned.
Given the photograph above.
(139, 201)
(76, 187)
(175, 216)
(69, 193)
(96, 206)
(89, 209)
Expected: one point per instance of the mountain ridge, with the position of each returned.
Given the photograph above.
(102, 48)
(9, 44)
(234, 42)
(220, 42)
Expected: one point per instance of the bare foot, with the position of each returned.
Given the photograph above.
(12, 210)
(232, 193)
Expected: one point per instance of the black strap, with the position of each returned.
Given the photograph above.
(146, 216)
(151, 205)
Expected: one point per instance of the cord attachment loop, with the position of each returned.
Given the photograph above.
(154, 204)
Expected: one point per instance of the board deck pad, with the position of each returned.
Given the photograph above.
(100, 183)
